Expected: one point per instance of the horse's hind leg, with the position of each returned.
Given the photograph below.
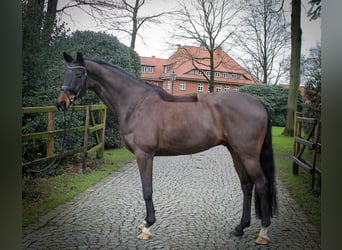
(247, 189)
(256, 174)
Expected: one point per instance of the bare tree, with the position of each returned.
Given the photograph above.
(315, 9)
(262, 41)
(205, 22)
(123, 16)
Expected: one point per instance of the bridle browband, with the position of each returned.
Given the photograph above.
(65, 88)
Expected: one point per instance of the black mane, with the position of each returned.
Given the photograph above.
(162, 93)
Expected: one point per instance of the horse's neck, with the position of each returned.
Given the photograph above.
(120, 94)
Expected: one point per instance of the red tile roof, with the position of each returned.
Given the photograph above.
(185, 60)
(157, 63)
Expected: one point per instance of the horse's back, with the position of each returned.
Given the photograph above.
(241, 104)
(241, 117)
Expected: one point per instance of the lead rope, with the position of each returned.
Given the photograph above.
(66, 137)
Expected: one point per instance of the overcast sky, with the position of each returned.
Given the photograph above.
(157, 36)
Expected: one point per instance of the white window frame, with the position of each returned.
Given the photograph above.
(218, 88)
(147, 69)
(218, 74)
(182, 85)
(198, 72)
(200, 87)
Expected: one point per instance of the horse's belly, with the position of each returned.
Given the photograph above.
(186, 145)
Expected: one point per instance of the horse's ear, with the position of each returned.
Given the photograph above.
(67, 58)
(79, 58)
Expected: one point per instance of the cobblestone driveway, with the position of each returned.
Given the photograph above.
(198, 202)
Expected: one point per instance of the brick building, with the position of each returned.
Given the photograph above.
(190, 65)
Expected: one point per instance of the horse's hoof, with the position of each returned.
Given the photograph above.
(236, 233)
(142, 225)
(262, 240)
(144, 236)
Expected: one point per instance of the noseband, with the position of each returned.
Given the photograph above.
(65, 88)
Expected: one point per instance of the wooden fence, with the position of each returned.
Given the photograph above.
(91, 126)
(312, 143)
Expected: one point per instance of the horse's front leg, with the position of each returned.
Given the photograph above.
(145, 164)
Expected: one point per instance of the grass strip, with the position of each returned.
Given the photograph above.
(298, 186)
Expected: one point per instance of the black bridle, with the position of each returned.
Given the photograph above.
(76, 93)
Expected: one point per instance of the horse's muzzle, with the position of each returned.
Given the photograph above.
(61, 106)
(63, 102)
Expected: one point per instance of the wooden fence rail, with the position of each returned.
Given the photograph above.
(311, 142)
(91, 126)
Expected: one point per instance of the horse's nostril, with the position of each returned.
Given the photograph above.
(61, 105)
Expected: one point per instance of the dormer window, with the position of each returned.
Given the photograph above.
(167, 68)
(147, 69)
(234, 76)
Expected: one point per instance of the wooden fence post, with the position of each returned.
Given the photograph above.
(314, 153)
(296, 147)
(85, 142)
(50, 143)
(102, 120)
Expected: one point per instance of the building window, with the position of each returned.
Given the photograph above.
(182, 86)
(167, 68)
(147, 69)
(168, 85)
(234, 76)
(200, 87)
(225, 75)
(226, 88)
(218, 74)
(198, 72)
(236, 89)
(207, 73)
(218, 88)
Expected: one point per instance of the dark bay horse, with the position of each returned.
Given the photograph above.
(154, 123)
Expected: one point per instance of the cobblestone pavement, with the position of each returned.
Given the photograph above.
(198, 202)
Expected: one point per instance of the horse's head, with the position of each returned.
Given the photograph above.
(74, 82)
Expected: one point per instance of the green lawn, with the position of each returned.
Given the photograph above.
(299, 186)
(43, 194)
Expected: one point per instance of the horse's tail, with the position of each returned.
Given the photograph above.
(267, 164)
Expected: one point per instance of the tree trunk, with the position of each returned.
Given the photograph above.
(34, 13)
(134, 33)
(135, 23)
(296, 40)
(49, 21)
(212, 71)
